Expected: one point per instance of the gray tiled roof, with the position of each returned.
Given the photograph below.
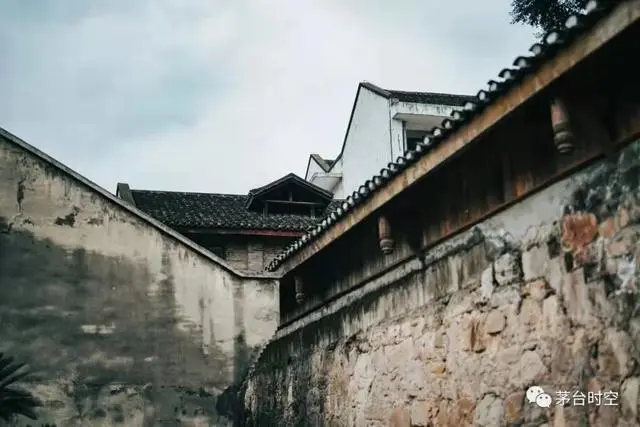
(432, 98)
(509, 77)
(211, 210)
(421, 97)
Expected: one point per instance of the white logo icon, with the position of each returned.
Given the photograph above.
(536, 394)
(544, 400)
(533, 392)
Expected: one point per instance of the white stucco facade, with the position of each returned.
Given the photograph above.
(376, 135)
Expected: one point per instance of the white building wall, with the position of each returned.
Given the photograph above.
(338, 192)
(424, 109)
(368, 145)
(314, 168)
(397, 139)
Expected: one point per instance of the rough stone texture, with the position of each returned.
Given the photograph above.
(120, 322)
(560, 309)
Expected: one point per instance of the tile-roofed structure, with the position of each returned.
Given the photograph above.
(212, 210)
(227, 211)
(238, 226)
(523, 66)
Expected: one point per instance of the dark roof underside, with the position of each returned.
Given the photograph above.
(222, 211)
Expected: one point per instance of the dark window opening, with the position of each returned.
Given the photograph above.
(413, 138)
(412, 143)
(292, 208)
(212, 243)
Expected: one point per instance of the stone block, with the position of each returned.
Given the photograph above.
(489, 411)
(507, 269)
(530, 314)
(513, 406)
(554, 321)
(603, 308)
(503, 297)
(457, 413)
(535, 263)
(539, 234)
(530, 369)
(630, 399)
(556, 273)
(472, 335)
(607, 228)
(487, 283)
(537, 290)
(576, 298)
(400, 417)
(624, 243)
(616, 355)
(495, 322)
(421, 414)
(622, 218)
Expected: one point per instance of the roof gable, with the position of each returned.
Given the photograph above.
(290, 188)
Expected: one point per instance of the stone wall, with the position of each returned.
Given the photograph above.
(123, 321)
(544, 293)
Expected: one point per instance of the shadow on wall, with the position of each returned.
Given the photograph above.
(102, 346)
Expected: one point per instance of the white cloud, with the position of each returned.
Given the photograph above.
(225, 97)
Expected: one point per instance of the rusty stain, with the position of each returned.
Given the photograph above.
(578, 230)
(621, 18)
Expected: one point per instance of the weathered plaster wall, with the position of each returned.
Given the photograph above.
(122, 323)
(544, 293)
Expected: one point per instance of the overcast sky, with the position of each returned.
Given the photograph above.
(223, 96)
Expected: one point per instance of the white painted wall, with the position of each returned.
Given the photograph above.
(375, 138)
(368, 145)
(424, 109)
(314, 168)
(338, 168)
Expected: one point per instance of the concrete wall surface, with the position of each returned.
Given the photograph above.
(544, 293)
(122, 321)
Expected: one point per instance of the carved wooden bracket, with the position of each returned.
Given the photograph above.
(384, 234)
(299, 288)
(563, 136)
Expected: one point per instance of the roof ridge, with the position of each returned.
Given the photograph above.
(188, 192)
(429, 93)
